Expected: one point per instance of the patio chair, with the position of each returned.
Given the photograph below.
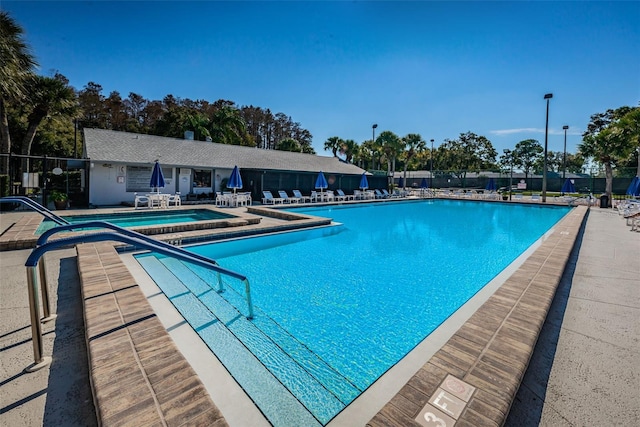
(141, 201)
(268, 198)
(301, 198)
(285, 197)
(175, 199)
(221, 200)
(535, 197)
(379, 194)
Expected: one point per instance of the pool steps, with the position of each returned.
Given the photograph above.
(257, 362)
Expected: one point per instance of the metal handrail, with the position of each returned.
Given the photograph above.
(122, 235)
(36, 207)
(128, 236)
(44, 237)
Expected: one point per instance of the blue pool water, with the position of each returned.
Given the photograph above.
(337, 307)
(142, 218)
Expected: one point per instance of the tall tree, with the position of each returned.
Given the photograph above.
(91, 101)
(609, 140)
(289, 144)
(527, 154)
(468, 152)
(16, 70)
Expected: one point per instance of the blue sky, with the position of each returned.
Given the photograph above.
(433, 68)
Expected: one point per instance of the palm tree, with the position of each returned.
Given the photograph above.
(350, 149)
(49, 96)
(415, 145)
(334, 144)
(228, 127)
(198, 123)
(392, 147)
(16, 69)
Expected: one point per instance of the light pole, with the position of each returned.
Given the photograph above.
(564, 156)
(548, 96)
(431, 171)
(509, 155)
(373, 141)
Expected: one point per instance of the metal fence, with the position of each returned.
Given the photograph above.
(37, 177)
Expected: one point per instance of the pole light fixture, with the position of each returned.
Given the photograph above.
(509, 154)
(547, 96)
(373, 141)
(564, 156)
(431, 170)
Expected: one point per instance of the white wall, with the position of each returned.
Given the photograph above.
(108, 184)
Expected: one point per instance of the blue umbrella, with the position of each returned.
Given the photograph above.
(634, 187)
(423, 183)
(321, 182)
(364, 182)
(235, 180)
(157, 178)
(491, 185)
(401, 182)
(568, 187)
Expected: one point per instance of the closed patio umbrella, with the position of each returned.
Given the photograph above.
(364, 182)
(157, 178)
(491, 185)
(423, 183)
(568, 187)
(235, 180)
(321, 182)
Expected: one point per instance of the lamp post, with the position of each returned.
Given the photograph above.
(431, 171)
(75, 138)
(564, 156)
(548, 96)
(509, 155)
(373, 140)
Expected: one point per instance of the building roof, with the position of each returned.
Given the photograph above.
(132, 148)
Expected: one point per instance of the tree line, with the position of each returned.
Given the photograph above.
(41, 115)
(612, 140)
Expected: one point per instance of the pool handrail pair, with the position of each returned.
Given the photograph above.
(121, 235)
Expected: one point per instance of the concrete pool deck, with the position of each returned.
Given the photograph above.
(603, 261)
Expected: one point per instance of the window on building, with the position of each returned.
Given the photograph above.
(202, 178)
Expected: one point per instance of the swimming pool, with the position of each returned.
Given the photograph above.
(337, 307)
(142, 218)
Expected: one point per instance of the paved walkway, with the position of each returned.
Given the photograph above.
(584, 370)
(585, 367)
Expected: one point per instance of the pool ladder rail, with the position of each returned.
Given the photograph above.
(36, 260)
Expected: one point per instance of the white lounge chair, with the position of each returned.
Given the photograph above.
(301, 198)
(342, 196)
(268, 198)
(285, 197)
